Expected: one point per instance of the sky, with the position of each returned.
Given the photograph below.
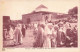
(16, 8)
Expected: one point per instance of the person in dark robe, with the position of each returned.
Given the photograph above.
(39, 36)
(23, 30)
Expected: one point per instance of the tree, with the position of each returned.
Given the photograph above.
(73, 12)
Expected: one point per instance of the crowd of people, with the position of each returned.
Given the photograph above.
(46, 35)
(60, 34)
(16, 34)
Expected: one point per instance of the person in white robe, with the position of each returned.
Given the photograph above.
(54, 36)
(48, 33)
(11, 32)
(18, 35)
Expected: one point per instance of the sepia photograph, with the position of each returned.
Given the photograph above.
(39, 25)
(28, 24)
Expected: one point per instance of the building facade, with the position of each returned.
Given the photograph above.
(41, 16)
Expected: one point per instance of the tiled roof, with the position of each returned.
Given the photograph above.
(41, 6)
